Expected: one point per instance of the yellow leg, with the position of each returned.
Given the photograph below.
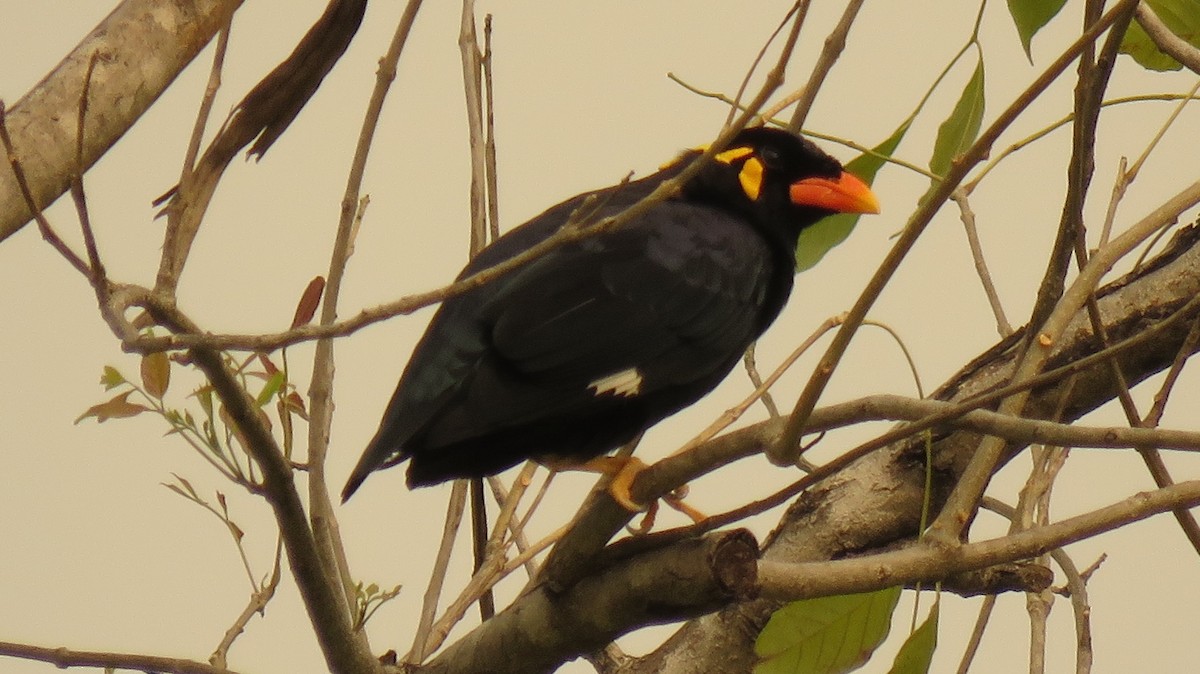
(675, 500)
(622, 471)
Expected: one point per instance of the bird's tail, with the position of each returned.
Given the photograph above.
(380, 453)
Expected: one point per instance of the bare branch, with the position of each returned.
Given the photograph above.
(64, 658)
(322, 516)
(835, 42)
(788, 449)
(674, 582)
(781, 580)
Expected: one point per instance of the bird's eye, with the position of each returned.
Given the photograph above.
(770, 156)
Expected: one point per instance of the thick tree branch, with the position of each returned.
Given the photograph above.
(877, 501)
(145, 44)
(788, 449)
(787, 581)
(318, 585)
(542, 629)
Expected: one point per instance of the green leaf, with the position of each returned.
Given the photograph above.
(826, 635)
(269, 391)
(1029, 17)
(204, 395)
(111, 378)
(1181, 16)
(961, 128)
(820, 238)
(916, 654)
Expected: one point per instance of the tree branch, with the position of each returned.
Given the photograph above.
(146, 44)
(789, 450)
(1170, 43)
(64, 658)
(542, 629)
(920, 562)
(829, 520)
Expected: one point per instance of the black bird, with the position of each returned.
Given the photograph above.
(576, 353)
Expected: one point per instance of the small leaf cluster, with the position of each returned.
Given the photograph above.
(203, 422)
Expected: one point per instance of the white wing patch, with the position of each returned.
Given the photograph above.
(624, 383)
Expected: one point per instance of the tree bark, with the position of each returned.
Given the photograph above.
(876, 501)
(139, 49)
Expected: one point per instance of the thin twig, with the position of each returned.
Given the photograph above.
(64, 658)
(734, 413)
(99, 277)
(981, 269)
(1077, 584)
(482, 176)
(835, 42)
(493, 192)
(257, 605)
(206, 103)
(322, 517)
(799, 10)
(1126, 176)
(970, 487)
(433, 592)
(750, 362)
(787, 450)
(976, 638)
(519, 539)
(47, 232)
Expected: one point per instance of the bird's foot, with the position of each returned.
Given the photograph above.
(622, 471)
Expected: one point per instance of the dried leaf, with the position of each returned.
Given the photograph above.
(267, 364)
(309, 301)
(156, 374)
(142, 321)
(116, 408)
(191, 492)
(295, 404)
(204, 395)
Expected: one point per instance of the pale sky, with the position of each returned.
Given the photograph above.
(96, 554)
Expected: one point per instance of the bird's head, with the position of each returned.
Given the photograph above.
(780, 180)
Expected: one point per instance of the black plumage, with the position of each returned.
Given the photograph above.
(579, 351)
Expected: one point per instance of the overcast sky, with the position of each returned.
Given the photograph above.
(96, 554)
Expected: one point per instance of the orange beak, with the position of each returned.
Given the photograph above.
(846, 194)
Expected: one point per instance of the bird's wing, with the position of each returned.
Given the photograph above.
(671, 299)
